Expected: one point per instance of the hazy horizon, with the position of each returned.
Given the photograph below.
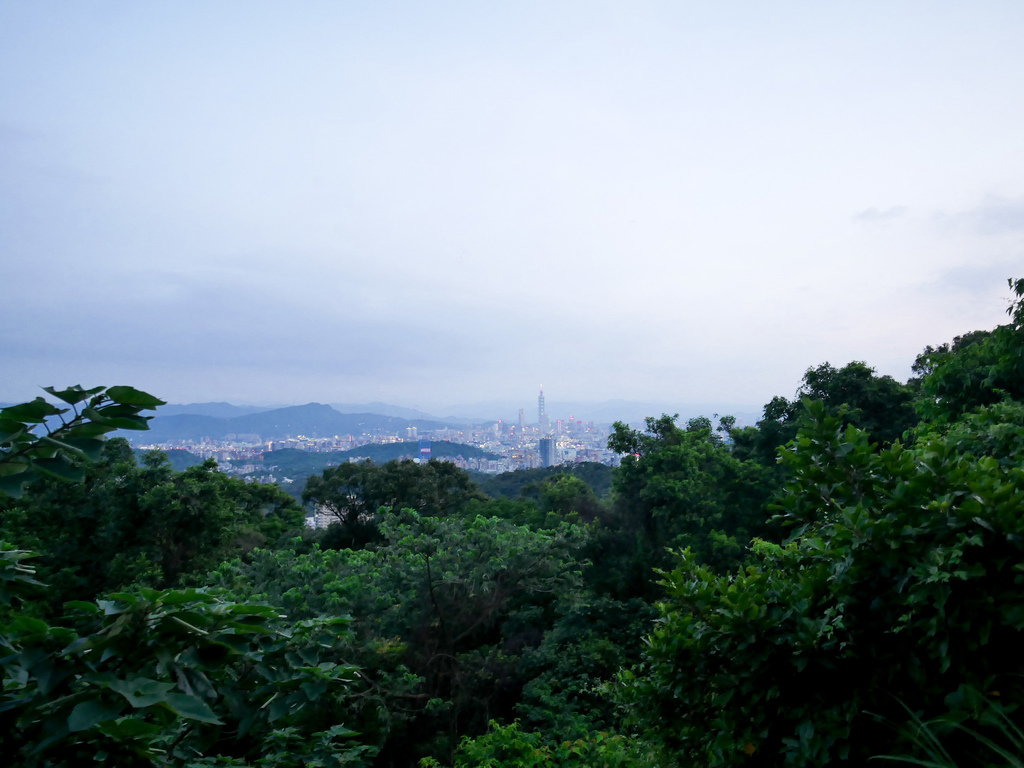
(605, 412)
(454, 202)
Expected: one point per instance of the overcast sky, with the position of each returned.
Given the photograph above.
(427, 203)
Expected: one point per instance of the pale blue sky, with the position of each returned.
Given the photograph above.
(428, 203)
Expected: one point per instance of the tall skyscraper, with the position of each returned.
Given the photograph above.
(542, 417)
(522, 420)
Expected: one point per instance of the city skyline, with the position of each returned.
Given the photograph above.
(252, 446)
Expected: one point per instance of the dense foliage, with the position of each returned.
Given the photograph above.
(683, 488)
(843, 581)
(127, 524)
(901, 588)
(164, 677)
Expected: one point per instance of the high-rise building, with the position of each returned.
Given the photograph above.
(522, 420)
(547, 452)
(542, 417)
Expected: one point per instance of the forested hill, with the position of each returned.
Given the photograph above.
(298, 466)
(218, 410)
(439, 449)
(511, 485)
(310, 420)
(179, 459)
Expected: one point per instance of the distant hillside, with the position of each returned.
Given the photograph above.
(299, 465)
(386, 409)
(509, 485)
(311, 420)
(180, 460)
(379, 454)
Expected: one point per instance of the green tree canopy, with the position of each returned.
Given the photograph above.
(979, 369)
(900, 588)
(126, 523)
(680, 488)
(878, 405)
(176, 678)
(353, 493)
(453, 602)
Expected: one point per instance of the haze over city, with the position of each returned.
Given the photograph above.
(447, 203)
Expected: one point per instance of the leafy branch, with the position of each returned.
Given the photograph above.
(71, 434)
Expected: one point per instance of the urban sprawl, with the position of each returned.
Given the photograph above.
(516, 445)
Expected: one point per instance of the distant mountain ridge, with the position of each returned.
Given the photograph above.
(482, 413)
(386, 409)
(216, 410)
(310, 420)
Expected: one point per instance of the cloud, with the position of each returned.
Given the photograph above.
(205, 319)
(875, 215)
(978, 279)
(999, 217)
(996, 216)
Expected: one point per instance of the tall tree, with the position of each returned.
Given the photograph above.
(680, 488)
(979, 369)
(879, 405)
(353, 493)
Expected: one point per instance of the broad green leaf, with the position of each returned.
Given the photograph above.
(73, 395)
(315, 690)
(115, 422)
(131, 396)
(60, 467)
(117, 410)
(112, 607)
(27, 625)
(128, 728)
(141, 691)
(88, 713)
(340, 731)
(34, 412)
(14, 467)
(192, 708)
(11, 430)
(89, 447)
(87, 429)
(279, 708)
(137, 423)
(41, 450)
